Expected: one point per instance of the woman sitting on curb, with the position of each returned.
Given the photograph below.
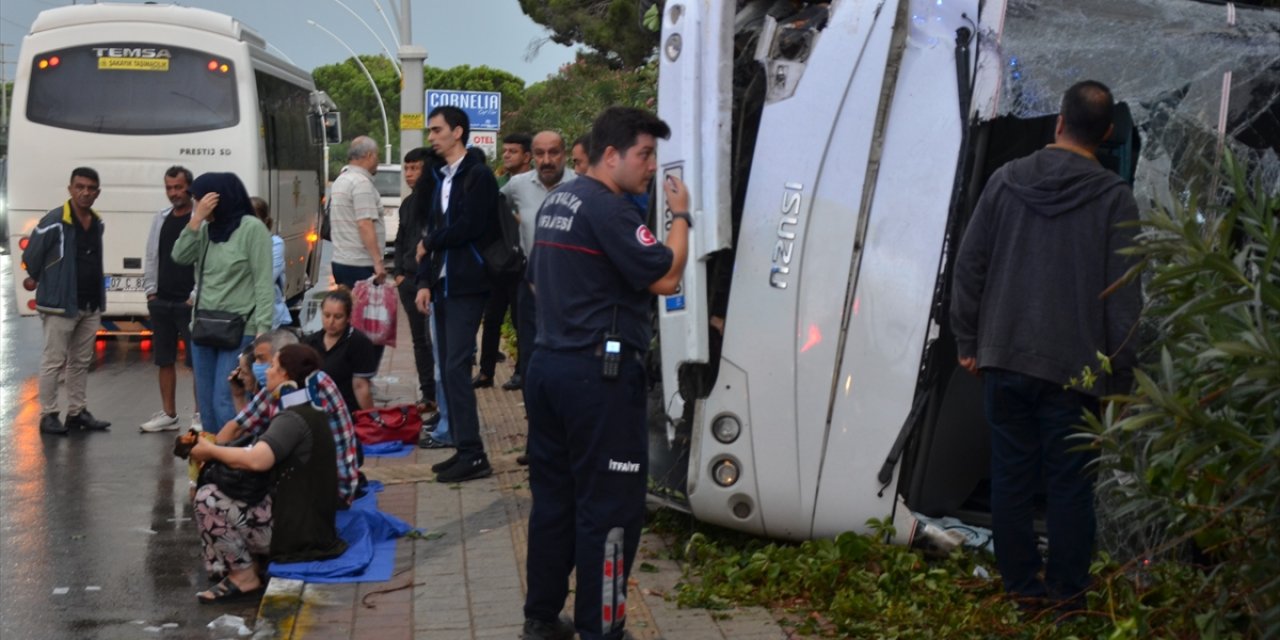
(290, 522)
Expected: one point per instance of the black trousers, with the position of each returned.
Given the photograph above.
(423, 359)
(525, 317)
(457, 321)
(588, 470)
(501, 297)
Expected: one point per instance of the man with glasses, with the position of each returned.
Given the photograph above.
(64, 258)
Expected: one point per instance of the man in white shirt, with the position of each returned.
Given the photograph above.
(525, 192)
(355, 217)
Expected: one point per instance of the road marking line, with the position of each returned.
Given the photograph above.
(61, 591)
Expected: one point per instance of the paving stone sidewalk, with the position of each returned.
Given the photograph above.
(469, 582)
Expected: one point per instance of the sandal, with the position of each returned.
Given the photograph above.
(227, 591)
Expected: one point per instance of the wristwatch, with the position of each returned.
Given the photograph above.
(688, 219)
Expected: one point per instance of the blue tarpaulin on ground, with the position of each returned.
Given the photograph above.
(395, 449)
(371, 546)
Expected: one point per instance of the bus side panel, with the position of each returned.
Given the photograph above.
(897, 273)
(291, 170)
(791, 272)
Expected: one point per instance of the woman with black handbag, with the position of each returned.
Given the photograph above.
(235, 291)
(275, 495)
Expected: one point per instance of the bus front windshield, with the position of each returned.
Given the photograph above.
(132, 89)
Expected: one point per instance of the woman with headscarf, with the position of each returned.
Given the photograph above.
(231, 250)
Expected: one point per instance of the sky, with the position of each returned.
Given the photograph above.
(494, 33)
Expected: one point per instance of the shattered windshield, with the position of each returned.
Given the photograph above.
(1187, 70)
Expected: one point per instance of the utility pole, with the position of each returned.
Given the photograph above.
(412, 113)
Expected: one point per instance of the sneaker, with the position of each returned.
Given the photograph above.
(86, 421)
(428, 441)
(441, 466)
(464, 470)
(561, 629)
(49, 423)
(196, 423)
(160, 421)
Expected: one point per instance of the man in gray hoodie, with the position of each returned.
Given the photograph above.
(1031, 309)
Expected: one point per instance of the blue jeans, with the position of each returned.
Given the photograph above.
(442, 405)
(213, 393)
(1031, 420)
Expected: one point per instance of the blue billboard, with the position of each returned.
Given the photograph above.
(483, 108)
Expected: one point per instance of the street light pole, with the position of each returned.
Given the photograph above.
(375, 36)
(395, 37)
(412, 117)
(386, 131)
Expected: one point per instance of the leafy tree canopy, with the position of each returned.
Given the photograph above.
(614, 28)
(347, 85)
(569, 101)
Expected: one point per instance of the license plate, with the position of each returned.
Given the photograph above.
(124, 283)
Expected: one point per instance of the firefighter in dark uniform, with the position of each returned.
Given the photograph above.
(595, 268)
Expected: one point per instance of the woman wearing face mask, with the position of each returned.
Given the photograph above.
(289, 522)
(349, 357)
(250, 375)
(231, 251)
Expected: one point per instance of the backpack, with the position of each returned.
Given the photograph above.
(503, 256)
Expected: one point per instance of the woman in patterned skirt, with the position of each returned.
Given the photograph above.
(290, 522)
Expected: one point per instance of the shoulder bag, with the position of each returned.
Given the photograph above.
(238, 484)
(211, 328)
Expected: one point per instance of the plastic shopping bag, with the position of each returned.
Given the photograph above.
(375, 311)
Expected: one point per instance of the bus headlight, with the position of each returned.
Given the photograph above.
(726, 429)
(725, 472)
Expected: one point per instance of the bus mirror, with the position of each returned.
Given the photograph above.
(326, 127)
(333, 127)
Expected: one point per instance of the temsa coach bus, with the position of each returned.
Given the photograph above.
(834, 151)
(131, 90)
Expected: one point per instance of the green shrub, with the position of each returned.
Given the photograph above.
(1189, 459)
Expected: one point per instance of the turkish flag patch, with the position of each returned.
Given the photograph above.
(645, 237)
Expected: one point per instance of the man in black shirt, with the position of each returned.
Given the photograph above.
(168, 286)
(64, 258)
(414, 210)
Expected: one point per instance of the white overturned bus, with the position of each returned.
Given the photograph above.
(834, 151)
(133, 89)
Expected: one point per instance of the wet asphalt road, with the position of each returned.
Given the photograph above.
(96, 536)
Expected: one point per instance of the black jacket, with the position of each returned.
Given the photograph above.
(455, 237)
(409, 231)
(1037, 255)
(50, 258)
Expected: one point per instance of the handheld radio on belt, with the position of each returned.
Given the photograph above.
(612, 350)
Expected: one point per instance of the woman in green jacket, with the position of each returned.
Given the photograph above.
(231, 250)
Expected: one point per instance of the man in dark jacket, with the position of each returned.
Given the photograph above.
(453, 282)
(1031, 310)
(64, 257)
(413, 222)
